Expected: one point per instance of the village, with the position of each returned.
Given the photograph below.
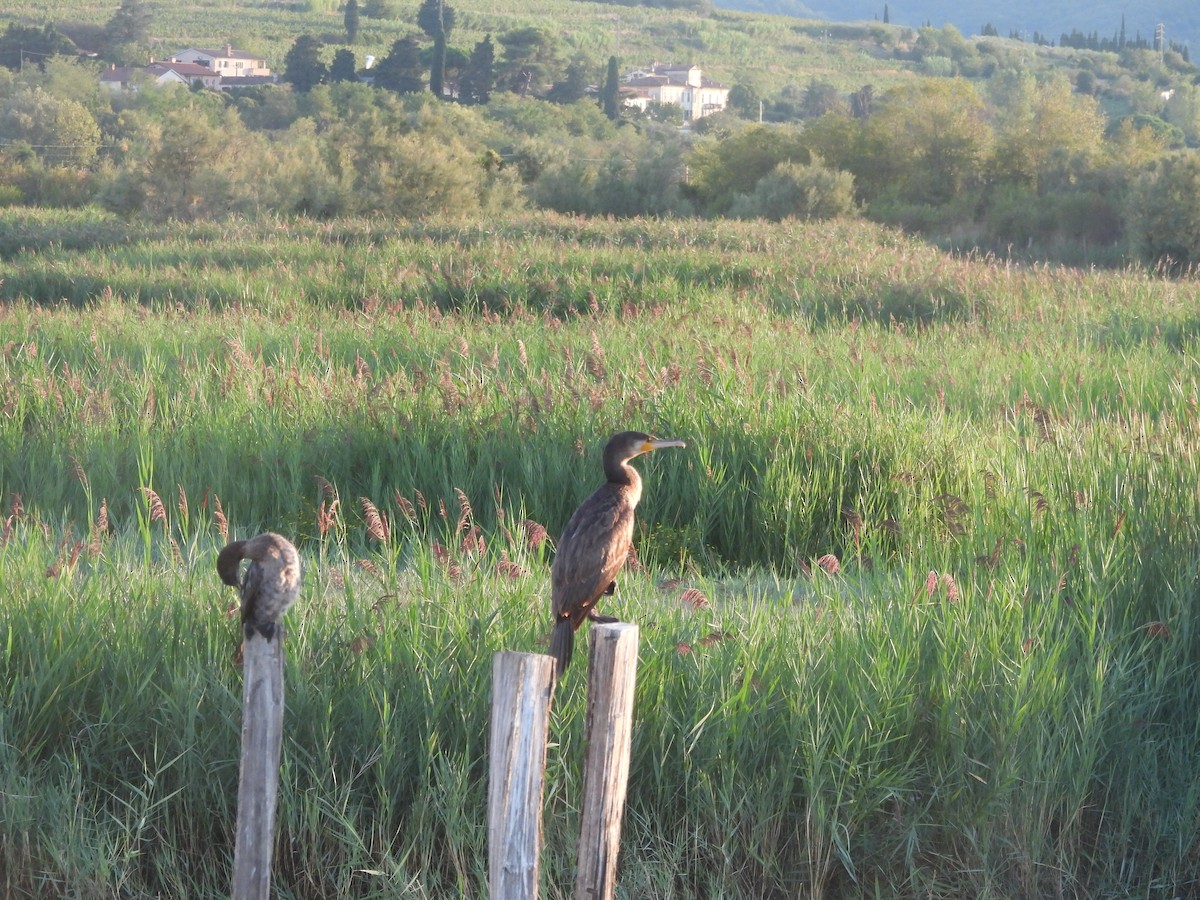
(229, 69)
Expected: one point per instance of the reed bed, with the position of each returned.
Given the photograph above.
(916, 601)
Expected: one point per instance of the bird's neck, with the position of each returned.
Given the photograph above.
(627, 478)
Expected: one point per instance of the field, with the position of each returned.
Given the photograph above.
(916, 603)
(768, 52)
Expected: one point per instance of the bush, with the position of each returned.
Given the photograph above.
(1164, 213)
(796, 190)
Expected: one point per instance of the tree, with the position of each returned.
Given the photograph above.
(839, 142)
(1043, 130)
(1164, 213)
(130, 24)
(60, 131)
(861, 102)
(724, 169)
(821, 97)
(343, 67)
(610, 96)
(1183, 111)
(351, 21)
(530, 60)
(436, 19)
(573, 87)
(302, 66)
(401, 70)
(30, 46)
(744, 101)
(926, 142)
(23, 45)
(479, 76)
(188, 169)
(797, 190)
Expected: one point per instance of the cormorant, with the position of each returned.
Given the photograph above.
(271, 581)
(596, 542)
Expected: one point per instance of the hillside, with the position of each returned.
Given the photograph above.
(1180, 17)
(928, 130)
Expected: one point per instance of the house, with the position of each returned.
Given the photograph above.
(229, 63)
(685, 86)
(212, 69)
(131, 78)
(191, 73)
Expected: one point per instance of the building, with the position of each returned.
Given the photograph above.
(212, 69)
(685, 86)
(227, 62)
(131, 78)
(191, 73)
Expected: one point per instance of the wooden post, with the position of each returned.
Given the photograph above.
(262, 739)
(612, 669)
(522, 687)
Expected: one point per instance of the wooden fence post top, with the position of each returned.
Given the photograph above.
(615, 630)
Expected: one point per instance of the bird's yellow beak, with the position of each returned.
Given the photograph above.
(658, 445)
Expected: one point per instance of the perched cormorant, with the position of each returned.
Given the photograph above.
(271, 581)
(596, 541)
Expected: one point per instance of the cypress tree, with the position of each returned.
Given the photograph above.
(610, 97)
(436, 18)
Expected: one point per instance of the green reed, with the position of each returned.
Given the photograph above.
(916, 601)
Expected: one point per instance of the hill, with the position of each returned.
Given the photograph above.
(1181, 18)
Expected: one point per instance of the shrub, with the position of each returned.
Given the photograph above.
(1164, 213)
(796, 190)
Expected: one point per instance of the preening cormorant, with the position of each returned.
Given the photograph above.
(270, 583)
(596, 542)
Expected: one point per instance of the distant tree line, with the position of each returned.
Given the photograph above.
(1092, 40)
(1004, 159)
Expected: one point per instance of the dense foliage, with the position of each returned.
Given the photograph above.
(1030, 163)
(981, 150)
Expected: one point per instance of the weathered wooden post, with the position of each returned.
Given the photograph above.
(522, 688)
(267, 588)
(612, 670)
(262, 739)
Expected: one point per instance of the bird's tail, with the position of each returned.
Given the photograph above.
(561, 641)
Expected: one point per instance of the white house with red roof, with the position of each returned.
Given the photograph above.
(685, 86)
(212, 69)
(132, 78)
(230, 63)
(192, 73)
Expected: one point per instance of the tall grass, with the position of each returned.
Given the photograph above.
(916, 602)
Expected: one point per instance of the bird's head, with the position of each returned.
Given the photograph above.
(229, 563)
(625, 445)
